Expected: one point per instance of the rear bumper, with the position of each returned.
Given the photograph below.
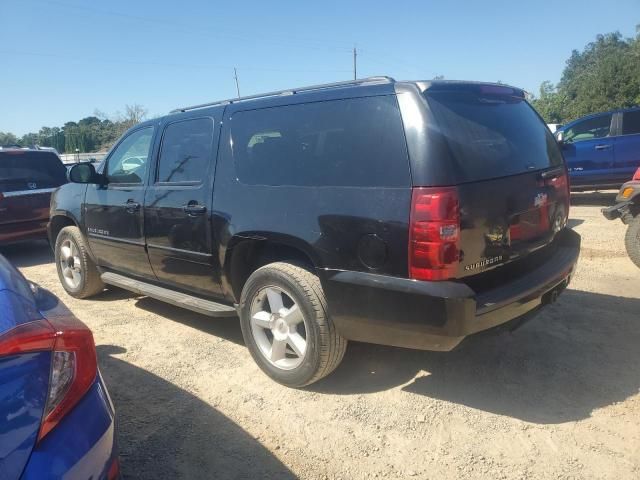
(623, 209)
(439, 315)
(615, 211)
(83, 444)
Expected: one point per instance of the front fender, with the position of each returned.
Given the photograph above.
(69, 198)
(629, 192)
(66, 208)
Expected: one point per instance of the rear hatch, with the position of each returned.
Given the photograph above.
(27, 178)
(24, 378)
(507, 172)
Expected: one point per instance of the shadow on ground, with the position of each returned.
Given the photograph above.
(603, 199)
(574, 222)
(574, 357)
(224, 327)
(28, 254)
(165, 432)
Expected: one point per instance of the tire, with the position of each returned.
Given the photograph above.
(632, 240)
(85, 278)
(324, 347)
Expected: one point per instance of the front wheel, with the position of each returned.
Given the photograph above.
(286, 327)
(632, 240)
(76, 270)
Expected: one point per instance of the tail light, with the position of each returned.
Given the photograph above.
(636, 176)
(114, 470)
(434, 233)
(74, 363)
(563, 192)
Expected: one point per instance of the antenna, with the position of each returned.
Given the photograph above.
(235, 75)
(355, 67)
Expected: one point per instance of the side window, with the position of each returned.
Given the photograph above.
(631, 123)
(186, 151)
(128, 162)
(597, 127)
(351, 142)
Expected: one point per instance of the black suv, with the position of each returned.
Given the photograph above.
(403, 213)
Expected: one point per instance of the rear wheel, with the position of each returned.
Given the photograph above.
(76, 270)
(285, 325)
(632, 240)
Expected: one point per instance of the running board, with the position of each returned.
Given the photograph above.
(205, 307)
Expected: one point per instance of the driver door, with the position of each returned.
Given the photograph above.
(589, 151)
(113, 215)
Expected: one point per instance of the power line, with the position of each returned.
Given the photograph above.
(165, 64)
(384, 58)
(193, 29)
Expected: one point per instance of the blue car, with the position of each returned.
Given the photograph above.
(56, 417)
(602, 150)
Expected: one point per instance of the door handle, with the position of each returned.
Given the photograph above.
(603, 147)
(194, 209)
(131, 206)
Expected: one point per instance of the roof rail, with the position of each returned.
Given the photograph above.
(290, 91)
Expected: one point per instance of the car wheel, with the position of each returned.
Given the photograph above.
(632, 240)
(76, 270)
(285, 325)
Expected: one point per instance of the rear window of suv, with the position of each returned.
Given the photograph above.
(30, 170)
(490, 136)
(350, 142)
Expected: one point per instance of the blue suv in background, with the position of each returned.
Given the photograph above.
(602, 150)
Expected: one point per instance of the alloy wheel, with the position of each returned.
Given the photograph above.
(70, 264)
(279, 328)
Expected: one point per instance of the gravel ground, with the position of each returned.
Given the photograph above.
(558, 398)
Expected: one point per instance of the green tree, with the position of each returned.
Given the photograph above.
(7, 138)
(550, 103)
(605, 75)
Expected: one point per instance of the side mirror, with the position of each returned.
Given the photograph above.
(83, 173)
(560, 137)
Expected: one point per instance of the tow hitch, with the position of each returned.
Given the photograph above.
(552, 295)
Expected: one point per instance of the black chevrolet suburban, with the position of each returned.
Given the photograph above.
(410, 214)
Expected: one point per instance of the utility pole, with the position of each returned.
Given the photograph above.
(235, 75)
(355, 68)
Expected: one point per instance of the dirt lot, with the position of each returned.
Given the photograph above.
(558, 398)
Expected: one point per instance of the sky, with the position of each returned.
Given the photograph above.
(63, 60)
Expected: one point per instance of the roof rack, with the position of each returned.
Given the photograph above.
(290, 91)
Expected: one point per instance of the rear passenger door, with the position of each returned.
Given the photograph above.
(627, 154)
(589, 151)
(177, 206)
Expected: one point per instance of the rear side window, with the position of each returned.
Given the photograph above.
(352, 142)
(592, 128)
(28, 170)
(186, 151)
(631, 123)
(490, 136)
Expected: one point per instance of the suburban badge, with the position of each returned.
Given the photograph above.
(483, 263)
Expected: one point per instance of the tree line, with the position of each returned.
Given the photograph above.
(95, 133)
